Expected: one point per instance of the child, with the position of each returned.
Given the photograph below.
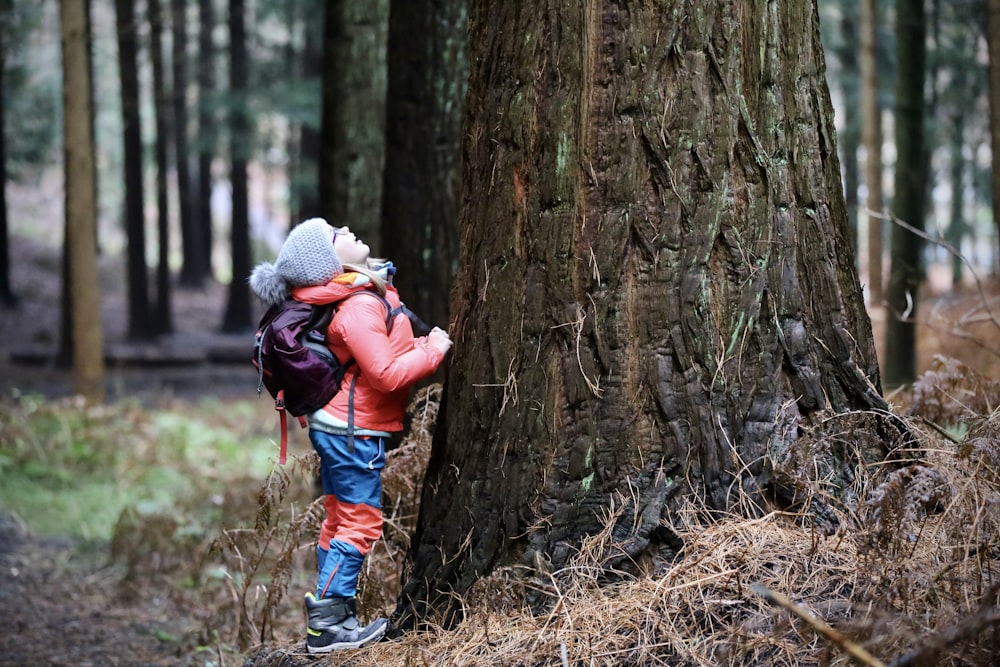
(319, 264)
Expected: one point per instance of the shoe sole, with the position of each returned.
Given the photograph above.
(341, 646)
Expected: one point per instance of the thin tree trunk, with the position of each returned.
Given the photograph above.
(993, 39)
(956, 222)
(238, 313)
(207, 131)
(850, 135)
(872, 139)
(656, 299)
(81, 204)
(140, 324)
(193, 269)
(305, 173)
(7, 296)
(161, 112)
(909, 195)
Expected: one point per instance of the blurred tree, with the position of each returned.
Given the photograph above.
(32, 90)
(194, 269)
(656, 298)
(238, 316)
(353, 121)
(206, 133)
(140, 325)
(993, 40)
(304, 174)
(956, 220)
(29, 117)
(909, 195)
(7, 296)
(427, 71)
(963, 112)
(850, 131)
(161, 115)
(872, 140)
(81, 203)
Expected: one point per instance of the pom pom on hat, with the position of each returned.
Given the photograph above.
(307, 258)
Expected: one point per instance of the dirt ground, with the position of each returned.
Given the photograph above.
(59, 606)
(59, 603)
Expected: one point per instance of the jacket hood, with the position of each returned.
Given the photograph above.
(333, 291)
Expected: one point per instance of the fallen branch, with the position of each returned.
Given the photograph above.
(986, 616)
(820, 626)
(991, 316)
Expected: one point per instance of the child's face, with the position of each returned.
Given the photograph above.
(349, 248)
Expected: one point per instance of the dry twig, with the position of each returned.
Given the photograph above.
(817, 624)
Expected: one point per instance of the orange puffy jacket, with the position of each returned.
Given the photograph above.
(387, 365)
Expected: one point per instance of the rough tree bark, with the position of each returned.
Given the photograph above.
(656, 298)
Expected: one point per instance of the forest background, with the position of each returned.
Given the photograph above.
(272, 136)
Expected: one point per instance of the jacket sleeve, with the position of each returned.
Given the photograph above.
(361, 325)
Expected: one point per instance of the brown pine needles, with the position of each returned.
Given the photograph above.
(908, 578)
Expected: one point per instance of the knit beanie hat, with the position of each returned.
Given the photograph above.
(306, 259)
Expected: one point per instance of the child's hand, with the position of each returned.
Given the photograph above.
(440, 340)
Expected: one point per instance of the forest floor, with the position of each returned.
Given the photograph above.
(61, 604)
(60, 599)
(57, 604)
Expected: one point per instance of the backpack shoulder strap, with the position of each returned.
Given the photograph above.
(319, 318)
(390, 312)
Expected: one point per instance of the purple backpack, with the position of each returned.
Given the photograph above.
(294, 363)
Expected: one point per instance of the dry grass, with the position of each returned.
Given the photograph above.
(910, 577)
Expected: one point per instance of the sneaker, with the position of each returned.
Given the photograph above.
(334, 625)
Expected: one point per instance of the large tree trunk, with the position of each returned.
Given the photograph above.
(427, 74)
(238, 316)
(656, 297)
(352, 153)
(140, 324)
(906, 271)
(872, 139)
(81, 202)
